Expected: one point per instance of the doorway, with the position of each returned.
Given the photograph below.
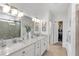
(60, 31)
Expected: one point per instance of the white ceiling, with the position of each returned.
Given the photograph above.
(40, 10)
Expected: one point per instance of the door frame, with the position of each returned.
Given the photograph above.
(56, 34)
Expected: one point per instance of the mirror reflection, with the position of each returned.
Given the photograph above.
(9, 29)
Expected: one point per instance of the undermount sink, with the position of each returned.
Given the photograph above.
(9, 42)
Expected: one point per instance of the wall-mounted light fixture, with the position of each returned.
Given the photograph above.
(14, 12)
(33, 19)
(11, 11)
(6, 8)
(36, 20)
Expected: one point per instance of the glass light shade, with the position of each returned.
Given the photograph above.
(34, 19)
(14, 12)
(37, 20)
(20, 14)
(6, 8)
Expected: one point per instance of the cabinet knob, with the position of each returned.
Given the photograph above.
(23, 52)
(44, 44)
(38, 47)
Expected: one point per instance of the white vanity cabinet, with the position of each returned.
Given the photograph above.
(31, 51)
(37, 49)
(44, 46)
(19, 53)
(27, 51)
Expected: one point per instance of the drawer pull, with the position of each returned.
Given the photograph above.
(23, 52)
(37, 47)
(44, 44)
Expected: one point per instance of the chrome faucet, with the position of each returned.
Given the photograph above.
(3, 43)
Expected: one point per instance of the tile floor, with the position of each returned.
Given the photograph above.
(56, 50)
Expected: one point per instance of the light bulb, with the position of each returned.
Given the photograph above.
(14, 12)
(20, 14)
(37, 20)
(33, 19)
(6, 8)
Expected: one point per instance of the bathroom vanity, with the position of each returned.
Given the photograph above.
(19, 38)
(33, 47)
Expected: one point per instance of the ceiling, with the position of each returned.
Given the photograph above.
(41, 10)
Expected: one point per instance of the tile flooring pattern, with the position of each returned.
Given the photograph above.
(56, 50)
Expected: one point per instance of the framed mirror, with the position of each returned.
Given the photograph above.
(44, 24)
(44, 27)
(9, 29)
(36, 27)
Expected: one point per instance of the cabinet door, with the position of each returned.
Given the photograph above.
(18, 53)
(30, 51)
(15, 54)
(27, 51)
(37, 49)
(44, 45)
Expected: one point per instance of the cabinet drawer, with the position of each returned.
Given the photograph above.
(28, 51)
(46, 44)
(42, 47)
(19, 53)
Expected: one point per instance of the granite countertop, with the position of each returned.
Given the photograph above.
(17, 46)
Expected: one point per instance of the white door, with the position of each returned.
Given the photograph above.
(55, 32)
